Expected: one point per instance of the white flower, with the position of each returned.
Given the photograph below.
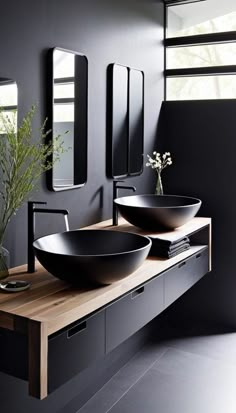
(160, 161)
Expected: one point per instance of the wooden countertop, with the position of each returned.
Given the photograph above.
(51, 304)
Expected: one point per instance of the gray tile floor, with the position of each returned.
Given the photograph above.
(178, 373)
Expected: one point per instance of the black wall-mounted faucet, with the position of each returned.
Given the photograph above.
(31, 227)
(115, 195)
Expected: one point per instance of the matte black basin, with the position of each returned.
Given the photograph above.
(158, 212)
(97, 256)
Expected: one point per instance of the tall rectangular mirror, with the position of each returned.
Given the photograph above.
(119, 129)
(69, 117)
(125, 121)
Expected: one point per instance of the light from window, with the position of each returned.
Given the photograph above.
(201, 56)
(201, 87)
(201, 18)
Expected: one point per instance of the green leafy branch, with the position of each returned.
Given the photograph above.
(22, 162)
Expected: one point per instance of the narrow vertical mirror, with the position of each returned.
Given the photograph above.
(119, 130)
(69, 118)
(125, 123)
(8, 101)
(136, 113)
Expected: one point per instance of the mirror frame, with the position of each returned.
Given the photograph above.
(119, 116)
(126, 117)
(50, 116)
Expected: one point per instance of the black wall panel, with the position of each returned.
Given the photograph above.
(201, 138)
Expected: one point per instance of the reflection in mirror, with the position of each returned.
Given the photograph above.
(136, 114)
(8, 101)
(70, 74)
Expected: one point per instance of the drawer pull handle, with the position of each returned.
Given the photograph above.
(77, 329)
(198, 255)
(182, 264)
(137, 292)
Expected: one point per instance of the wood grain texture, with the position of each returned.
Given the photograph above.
(58, 304)
(38, 359)
(6, 321)
(192, 226)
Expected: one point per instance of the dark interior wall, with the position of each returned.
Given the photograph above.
(128, 32)
(201, 138)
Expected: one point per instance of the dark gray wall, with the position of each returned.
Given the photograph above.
(201, 137)
(128, 32)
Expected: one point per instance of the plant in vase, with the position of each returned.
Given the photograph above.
(158, 163)
(22, 162)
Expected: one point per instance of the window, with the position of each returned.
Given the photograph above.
(200, 47)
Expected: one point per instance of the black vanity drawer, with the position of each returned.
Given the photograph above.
(133, 311)
(74, 349)
(181, 277)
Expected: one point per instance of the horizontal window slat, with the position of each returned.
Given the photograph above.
(63, 101)
(201, 39)
(64, 80)
(201, 71)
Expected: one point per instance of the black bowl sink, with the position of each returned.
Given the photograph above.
(158, 212)
(97, 256)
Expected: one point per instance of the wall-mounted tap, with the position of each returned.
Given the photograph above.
(115, 195)
(31, 227)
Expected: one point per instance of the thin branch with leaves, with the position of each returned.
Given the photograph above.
(22, 161)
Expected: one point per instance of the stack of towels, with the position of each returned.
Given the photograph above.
(167, 248)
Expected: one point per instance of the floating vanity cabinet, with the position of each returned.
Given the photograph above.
(74, 349)
(184, 275)
(133, 311)
(60, 330)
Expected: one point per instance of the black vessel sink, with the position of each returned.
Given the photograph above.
(97, 256)
(158, 212)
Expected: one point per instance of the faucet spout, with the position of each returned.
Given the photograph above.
(116, 186)
(31, 227)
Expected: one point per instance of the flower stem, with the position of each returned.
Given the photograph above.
(159, 187)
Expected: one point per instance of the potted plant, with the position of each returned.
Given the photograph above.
(22, 161)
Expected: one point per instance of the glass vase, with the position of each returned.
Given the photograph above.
(4, 262)
(159, 187)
